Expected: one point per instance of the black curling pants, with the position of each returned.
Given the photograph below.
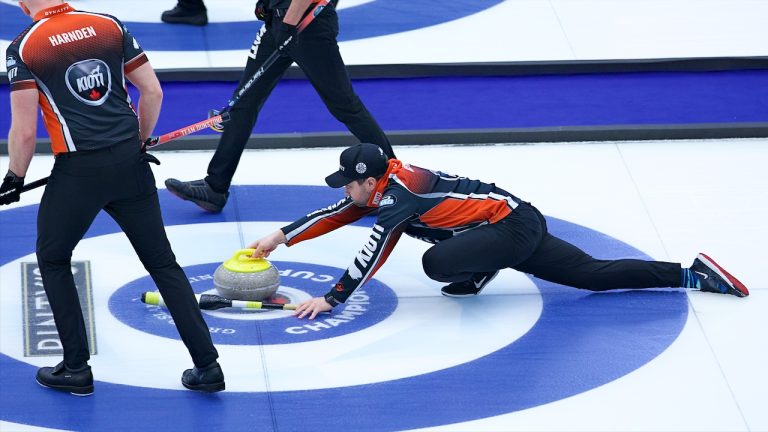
(118, 181)
(317, 54)
(521, 241)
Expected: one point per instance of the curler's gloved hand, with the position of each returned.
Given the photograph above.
(10, 190)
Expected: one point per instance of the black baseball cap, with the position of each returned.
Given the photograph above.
(358, 162)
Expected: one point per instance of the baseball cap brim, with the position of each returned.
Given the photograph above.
(337, 180)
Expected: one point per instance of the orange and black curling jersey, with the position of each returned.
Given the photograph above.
(78, 61)
(428, 205)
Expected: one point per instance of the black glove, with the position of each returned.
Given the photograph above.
(261, 11)
(218, 127)
(150, 158)
(148, 143)
(286, 37)
(10, 191)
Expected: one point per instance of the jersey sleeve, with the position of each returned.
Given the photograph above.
(19, 76)
(133, 54)
(324, 220)
(396, 210)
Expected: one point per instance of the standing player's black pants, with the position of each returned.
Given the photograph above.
(521, 241)
(120, 182)
(317, 53)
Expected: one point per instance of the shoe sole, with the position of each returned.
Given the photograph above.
(735, 286)
(458, 295)
(206, 388)
(76, 391)
(202, 204)
(478, 291)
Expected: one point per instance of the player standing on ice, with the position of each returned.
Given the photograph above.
(73, 65)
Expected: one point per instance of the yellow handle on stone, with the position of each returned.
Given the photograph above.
(245, 255)
(244, 262)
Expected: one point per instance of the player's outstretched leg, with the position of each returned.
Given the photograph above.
(713, 278)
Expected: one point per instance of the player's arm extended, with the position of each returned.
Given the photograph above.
(369, 259)
(324, 220)
(372, 256)
(22, 136)
(315, 224)
(391, 222)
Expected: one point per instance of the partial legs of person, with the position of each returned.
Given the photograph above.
(211, 193)
(191, 12)
(558, 261)
(79, 187)
(470, 260)
(138, 214)
(317, 53)
(68, 207)
(521, 241)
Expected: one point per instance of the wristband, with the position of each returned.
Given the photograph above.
(331, 300)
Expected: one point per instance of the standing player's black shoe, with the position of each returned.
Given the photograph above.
(199, 193)
(79, 381)
(470, 287)
(208, 379)
(713, 278)
(182, 15)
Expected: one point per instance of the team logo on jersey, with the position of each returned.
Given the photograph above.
(387, 200)
(10, 62)
(363, 259)
(89, 81)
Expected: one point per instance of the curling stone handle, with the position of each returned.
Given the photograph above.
(245, 255)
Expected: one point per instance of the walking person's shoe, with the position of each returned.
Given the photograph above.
(182, 15)
(199, 192)
(208, 379)
(78, 382)
(713, 278)
(470, 287)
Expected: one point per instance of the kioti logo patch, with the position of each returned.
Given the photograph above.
(89, 81)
